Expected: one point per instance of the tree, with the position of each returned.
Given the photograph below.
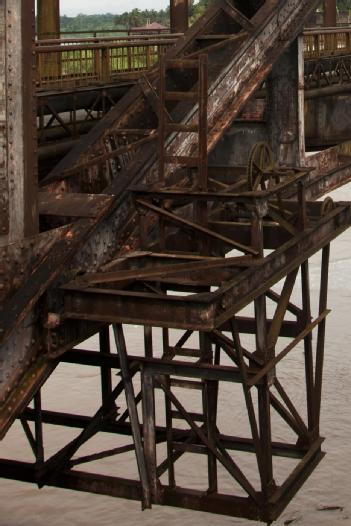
(344, 5)
(197, 9)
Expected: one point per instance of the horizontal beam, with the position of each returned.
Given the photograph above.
(161, 366)
(206, 311)
(107, 45)
(279, 449)
(159, 271)
(177, 497)
(72, 204)
(75, 480)
(131, 489)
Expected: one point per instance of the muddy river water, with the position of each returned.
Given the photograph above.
(325, 498)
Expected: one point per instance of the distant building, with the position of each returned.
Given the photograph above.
(154, 27)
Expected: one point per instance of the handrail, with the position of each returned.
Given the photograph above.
(102, 45)
(70, 65)
(328, 42)
(107, 31)
(323, 30)
(124, 38)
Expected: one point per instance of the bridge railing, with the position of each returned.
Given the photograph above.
(94, 33)
(78, 62)
(327, 42)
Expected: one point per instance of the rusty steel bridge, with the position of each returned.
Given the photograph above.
(170, 182)
(80, 78)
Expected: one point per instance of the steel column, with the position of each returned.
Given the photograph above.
(48, 19)
(18, 199)
(49, 28)
(106, 378)
(286, 106)
(330, 13)
(179, 16)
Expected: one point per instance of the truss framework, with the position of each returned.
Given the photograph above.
(201, 363)
(200, 245)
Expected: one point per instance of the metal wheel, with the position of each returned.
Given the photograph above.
(260, 162)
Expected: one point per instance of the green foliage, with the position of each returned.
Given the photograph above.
(137, 17)
(197, 9)
(134, 18)
(344, 5)
(88, 22)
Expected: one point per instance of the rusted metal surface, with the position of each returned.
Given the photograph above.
(227, 86)
(327, 73)
(48, 27)
(264, 503)
(327, 42)
(179, 14)
(201, 310)
(18, 182)
(4, 185)
(62, 64)
(330, 13)
(48, 19)
(18, 127)
(92, 61)
(66, 113)
(286, 126)
(64, 116)
(72, 205)
(136, 228)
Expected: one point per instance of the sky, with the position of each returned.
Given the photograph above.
(92, 7)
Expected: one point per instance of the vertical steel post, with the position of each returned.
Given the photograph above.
(323, 299)
(210, 403)
(169, 433)
(49, 28)
(133, 415)
(106, 379)
(18, 155)
(203, 126)
(286, 119)
(309, 368)
(162, 122)
(38, 430)
(48, 12)
(149, 435)
(264, 411)
(202, 175)
(179, 16)
(330, 13)
(161, 144)
(148, 342)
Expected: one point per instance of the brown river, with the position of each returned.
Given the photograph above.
(325, 499)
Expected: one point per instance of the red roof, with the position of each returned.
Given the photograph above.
(155, 26)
